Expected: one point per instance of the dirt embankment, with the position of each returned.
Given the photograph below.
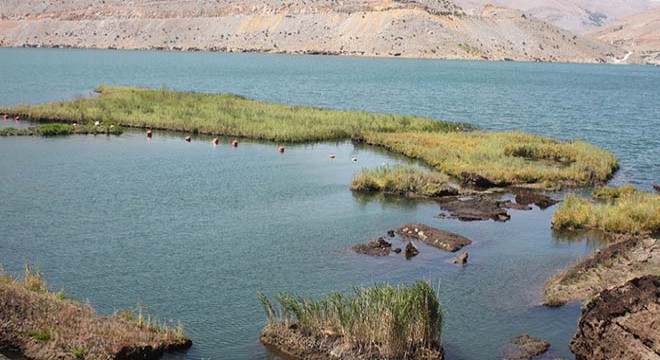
(418, 28)
(621, 323)
(626, 258)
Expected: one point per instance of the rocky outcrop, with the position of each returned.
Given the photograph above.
(375, 247)
(437, 238)
(524, 347)
(477, 208)
(621, 323)
(411, 250)
(461, 258)
(540, 200)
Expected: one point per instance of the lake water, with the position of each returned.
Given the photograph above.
(193, 232)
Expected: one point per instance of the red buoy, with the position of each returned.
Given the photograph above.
(281, 149)
(215, 141)
(331, 156)
(149, 134)
(188, 138)
(17, 118)
(234, 143)
(5, 116)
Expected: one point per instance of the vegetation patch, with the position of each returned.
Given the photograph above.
(504, 158)
(379, 322)
(403, 180)
(57, 129)
(480, 158)
(43, 324)
(623, 210)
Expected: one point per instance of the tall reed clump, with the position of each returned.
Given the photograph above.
(396, 322)
(504, 158)
(623, 210)
(64, 328)
(226, 114)
(403, 180)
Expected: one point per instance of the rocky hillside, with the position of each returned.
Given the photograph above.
(574, 15)
(408, 28)
(639, 34)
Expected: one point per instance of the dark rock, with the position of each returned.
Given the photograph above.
(411, 250)
(512, 205)
(390, 233)
(375, 247)
(397, 250)
(657, 188)
(524, 347)
(621, 323)
(540, 200)
(479, 208)
(476, 180)
(461, 258)
(440, 239)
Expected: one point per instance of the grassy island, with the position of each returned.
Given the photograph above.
(56, 129)
(623, 210)
(457, 150)
(379, 322)
(403, 180)
(46, 325)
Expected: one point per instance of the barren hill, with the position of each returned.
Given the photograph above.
(410, 28)
(638, 33)
(575, 15)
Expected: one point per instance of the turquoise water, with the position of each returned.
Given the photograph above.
(193, 231)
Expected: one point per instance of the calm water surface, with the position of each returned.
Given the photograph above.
(193, 232)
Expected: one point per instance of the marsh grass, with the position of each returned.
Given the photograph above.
(226, 114)
(397, 321)
(403, 180)
(504, 158)
(32, 312)
(623, 210)
(58, 129)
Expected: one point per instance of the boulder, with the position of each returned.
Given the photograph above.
(437, 238)
(621, 322)
(540, 200)
(411, 250)
(524, 347)
(656, 187)
(375, 247)
(462, 258)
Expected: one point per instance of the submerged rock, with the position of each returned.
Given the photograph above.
(474, 209)
(512, 205)
(440, 239)
(411, 250)
(524, 347)
(461, 258)
(540, 200)
(390, 233)
(375, 247)
(621, 323)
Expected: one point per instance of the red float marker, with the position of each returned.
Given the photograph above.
(331, 156)
(215, 141)
(234, 143)
(17, 118)
(5, 116)
(281, 149)
(149, 134)
(188, 138)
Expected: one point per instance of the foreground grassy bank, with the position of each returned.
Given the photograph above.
(622, 210)
(45, 325)
(379, 322)
(476, 157)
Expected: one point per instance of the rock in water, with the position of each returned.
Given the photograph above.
(375, 247)
(437, 238)
(390, 233)
(476, 180)
(524, 347)
(621, 323)
(411, 250)
(540, 200)
(461, 258)
(657, 188)
(478, 208)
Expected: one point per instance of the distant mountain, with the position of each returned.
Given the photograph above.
(408, 28)
(575, 15)
(639, 34)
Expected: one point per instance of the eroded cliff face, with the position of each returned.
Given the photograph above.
(621, 323)
(408, 28)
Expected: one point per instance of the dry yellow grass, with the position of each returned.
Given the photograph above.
(45, 325)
